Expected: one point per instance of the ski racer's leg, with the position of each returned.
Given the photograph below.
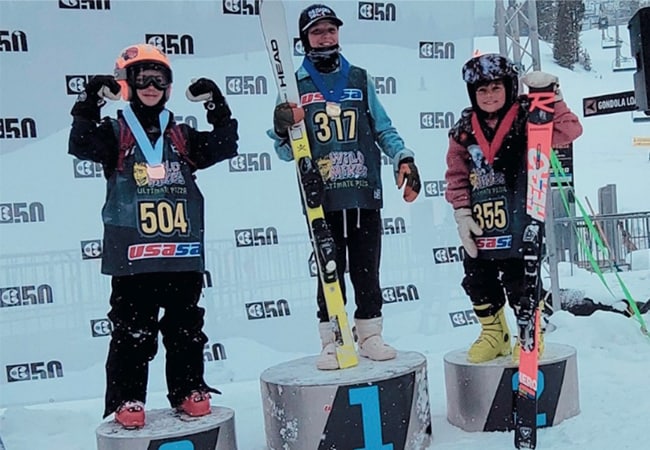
(134, 340)
(183, 337)
(364, 247)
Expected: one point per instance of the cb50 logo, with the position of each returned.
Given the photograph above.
(437, 120)
(395, 294)
(385, 85)
(22, 212)
(444, 255)
(393, 225)
(386, 12)
(13, 41)
(246, 85)
(85, 4)
(26, 295)
(267, 309)
(76, 84)
(462, 318)
(214, 352)
(435, 188)
(189, 120)
(87, 169)
(250, 162)
(15, 128)
(298, 49)
(91, 249)
(241, 7)
(437, 50)
(101, 327)
(171, 44)
(251, 237)
(34, 371)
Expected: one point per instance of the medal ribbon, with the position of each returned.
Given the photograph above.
(490, 148)
(152, 153)
(333, 95)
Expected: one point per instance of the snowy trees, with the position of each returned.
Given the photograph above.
(566, 42)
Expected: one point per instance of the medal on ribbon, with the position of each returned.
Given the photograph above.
(156, 172)
(332, 96)
(332, 109)
(152, 153)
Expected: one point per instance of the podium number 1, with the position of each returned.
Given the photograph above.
(368, 398)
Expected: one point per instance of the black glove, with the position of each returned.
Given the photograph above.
(408, 173)
(90, 101)
(206, 90)
(286, 115)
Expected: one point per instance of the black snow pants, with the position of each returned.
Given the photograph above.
(358, 242)
(135, 305)
(493, 282)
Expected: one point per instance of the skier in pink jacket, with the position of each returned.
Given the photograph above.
(486, 185)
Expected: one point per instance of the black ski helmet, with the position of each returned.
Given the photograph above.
(482, 69)
(312, 14)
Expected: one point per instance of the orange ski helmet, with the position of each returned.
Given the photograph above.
(140, 56)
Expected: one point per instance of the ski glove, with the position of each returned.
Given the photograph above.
(408, 174)
(540, 81)
(205, 90)
(90, 101)
(286, 115)
(467, 229)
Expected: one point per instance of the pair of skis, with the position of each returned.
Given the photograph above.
(276, 38)
(539, 132)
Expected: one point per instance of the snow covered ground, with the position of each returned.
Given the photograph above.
(613, 356)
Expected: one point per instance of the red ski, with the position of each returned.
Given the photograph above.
(540, 133)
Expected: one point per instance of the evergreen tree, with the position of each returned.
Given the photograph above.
(566, 43)
(546, 14)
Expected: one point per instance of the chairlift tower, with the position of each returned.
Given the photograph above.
(523, 50)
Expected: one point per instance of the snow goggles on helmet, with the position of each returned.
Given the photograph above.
(145, 74)
(159, 81)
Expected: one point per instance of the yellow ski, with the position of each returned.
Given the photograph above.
(274, 28)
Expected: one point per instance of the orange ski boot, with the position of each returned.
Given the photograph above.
(130, 415)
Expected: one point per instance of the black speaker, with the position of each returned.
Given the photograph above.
(639, 26)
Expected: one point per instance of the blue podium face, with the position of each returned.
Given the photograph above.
(180, 445)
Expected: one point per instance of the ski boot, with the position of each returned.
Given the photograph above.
(327, 358)
(371, 345)
(494, 340)
(196, 404)
(130, 415)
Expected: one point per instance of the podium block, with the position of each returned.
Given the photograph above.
(165, 429)
(373, 406)
(480, 397)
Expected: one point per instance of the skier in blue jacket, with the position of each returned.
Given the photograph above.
(348, 129)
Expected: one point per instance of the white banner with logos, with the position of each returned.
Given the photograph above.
(259, 286)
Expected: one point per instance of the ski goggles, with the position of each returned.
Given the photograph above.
(159, 81)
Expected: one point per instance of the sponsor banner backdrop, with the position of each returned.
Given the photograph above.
(260, 281)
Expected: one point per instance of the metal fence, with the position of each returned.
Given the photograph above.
(621, 234)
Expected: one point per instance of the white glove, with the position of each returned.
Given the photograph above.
(537, 80)
(467, 229)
